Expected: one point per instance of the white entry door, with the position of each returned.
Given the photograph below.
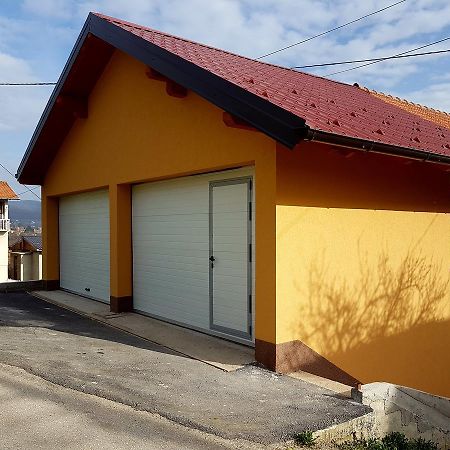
(230, 257)
(84, 244)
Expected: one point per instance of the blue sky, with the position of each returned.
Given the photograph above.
(36, 37)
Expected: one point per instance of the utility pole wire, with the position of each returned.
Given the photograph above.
(29, 189)
(330, 31)
(29, 84)
(372, 59)
(398, 54)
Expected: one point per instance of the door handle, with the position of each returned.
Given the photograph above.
(212, 259)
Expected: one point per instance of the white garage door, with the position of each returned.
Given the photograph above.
(84, 244)
(192, 252)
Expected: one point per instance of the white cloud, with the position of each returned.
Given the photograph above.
(21, 106)
(435, 96)
(56, 9)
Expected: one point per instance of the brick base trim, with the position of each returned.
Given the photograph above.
(121, 304)
(295, 355)
(50, 285)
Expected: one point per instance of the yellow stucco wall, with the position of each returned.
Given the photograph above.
(136, 132)
(366, 288)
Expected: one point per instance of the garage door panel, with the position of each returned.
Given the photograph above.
(161, 276)
(174, 231)
(190, 273)
(181, 244)
(84, 244)
(171, 250)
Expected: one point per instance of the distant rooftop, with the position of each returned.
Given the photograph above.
(433, 115)
(6, 193)
(34, 241)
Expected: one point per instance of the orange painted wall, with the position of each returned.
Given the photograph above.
(135, 132)
(363, 259)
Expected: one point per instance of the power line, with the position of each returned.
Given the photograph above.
(330, 31)
(28, 84)
(398, 54)
(29, 189)
(372, 59)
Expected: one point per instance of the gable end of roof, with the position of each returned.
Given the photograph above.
(281, 125)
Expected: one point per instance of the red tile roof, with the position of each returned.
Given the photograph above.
(6, 193)
(326, 105)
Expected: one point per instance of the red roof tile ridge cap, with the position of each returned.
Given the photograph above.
(162, 33)
(404, 100)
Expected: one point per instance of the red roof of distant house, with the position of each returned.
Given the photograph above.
(326, 105)
(285, 104)
(6, 193)
(433, 115)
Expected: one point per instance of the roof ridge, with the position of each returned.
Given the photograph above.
(163, 33)
(404, 100)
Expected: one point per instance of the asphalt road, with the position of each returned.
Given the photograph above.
(77, 353)
(36, 414)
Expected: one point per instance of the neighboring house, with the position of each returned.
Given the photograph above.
(25, 257)
(438, 117)
(303, 216)
(6, 194)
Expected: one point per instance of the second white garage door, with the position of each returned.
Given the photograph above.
(84, 244)
(192, 252)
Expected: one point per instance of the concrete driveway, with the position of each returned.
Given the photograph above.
(250, 404)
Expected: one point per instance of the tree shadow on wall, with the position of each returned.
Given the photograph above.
(385, 324)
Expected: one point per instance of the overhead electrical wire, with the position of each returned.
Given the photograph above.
(29, 84)
(29, 189)
(330, 31)
(397, 55)
(372, 59)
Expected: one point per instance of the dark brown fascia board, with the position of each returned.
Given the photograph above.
(281, 125)
(374, 147)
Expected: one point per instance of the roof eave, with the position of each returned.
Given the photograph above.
(375, 147)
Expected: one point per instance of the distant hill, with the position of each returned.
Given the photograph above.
(25, 211)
